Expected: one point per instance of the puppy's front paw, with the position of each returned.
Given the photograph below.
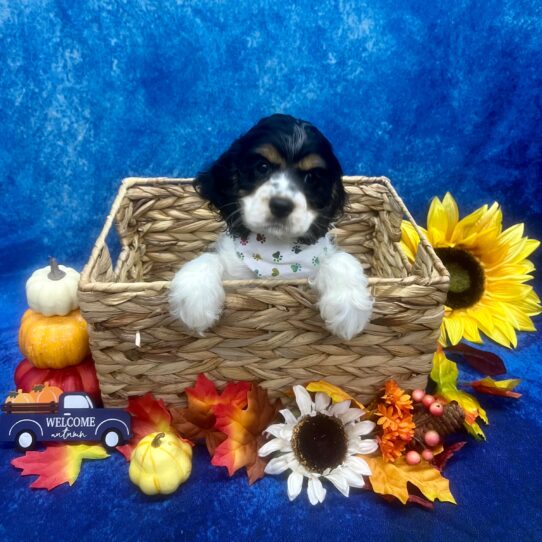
(346, 312)
(197, 295)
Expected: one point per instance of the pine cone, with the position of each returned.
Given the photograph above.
(450, 422)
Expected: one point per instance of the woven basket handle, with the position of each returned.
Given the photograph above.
(100, 265)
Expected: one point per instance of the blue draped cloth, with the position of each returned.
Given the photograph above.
(436, 96)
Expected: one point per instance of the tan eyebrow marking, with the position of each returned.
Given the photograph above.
(269, 152)
(311, 161)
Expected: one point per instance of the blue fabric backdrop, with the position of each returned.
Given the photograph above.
(437, 97)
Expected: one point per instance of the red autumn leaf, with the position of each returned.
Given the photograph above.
(411, 499)
(421, 501)
(57, 464)
(440, 460)
(486, 363)
(148, 416)
(502, 388)
(244, 428)
(197, 421)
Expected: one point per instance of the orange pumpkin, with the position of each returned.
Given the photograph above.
(53, 342)
(43, 393)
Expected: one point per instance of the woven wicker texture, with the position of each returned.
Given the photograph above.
(270, 330)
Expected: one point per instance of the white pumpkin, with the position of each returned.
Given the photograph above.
(52, 290)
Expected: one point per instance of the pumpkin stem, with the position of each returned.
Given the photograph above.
(156, 440)
(56, 273)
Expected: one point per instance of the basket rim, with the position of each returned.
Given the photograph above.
(87, 285)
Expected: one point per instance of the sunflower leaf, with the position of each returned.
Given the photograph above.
(486, 363)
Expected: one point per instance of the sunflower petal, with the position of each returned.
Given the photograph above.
(452, 213)
(454, 325)
(274, 445)
(295, 485)
(361, 428)
(321, 401)
(350, 415)
(437, 222)
(339, 481)
(316, 491)
(358, 465)
(277, 465)
(303, 399)
(289, 418)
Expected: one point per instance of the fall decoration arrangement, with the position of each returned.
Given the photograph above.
(322, 438)
(53, 335)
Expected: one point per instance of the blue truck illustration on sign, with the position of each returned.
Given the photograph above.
(73, 418)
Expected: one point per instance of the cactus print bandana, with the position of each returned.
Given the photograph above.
(270, 257)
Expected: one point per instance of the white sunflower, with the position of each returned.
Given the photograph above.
(323, 442)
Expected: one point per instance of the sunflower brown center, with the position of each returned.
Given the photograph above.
(319, 442)
(466, 277)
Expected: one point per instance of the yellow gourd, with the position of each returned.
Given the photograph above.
(53, 342)
(52, 290)
(161, 462)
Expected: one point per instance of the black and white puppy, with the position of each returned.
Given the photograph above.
(279, 190)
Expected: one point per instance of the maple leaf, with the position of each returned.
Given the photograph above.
(149, 415)
(393, 479)
(444, 374)
(57, 464)
(197, 421)
(503, 388)
(243, 428)
(337, 394)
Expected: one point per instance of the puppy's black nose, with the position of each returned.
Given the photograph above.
(281, 207)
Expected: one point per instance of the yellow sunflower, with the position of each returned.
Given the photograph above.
(488, 270)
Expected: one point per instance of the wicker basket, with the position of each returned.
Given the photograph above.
(270, 330)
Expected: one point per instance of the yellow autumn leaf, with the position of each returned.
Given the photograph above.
(444, 374)
(507, 385)
(337, 394)
(392, 479)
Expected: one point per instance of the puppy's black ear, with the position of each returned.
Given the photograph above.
(218, 183)
(339, 200)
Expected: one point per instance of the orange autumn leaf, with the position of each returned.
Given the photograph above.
(502, 388)
(337, 394)
(244, 430)
(149, 415)
(197, 421)
(393, 478)
(57, 464)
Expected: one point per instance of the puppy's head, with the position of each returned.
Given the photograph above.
(281, 179)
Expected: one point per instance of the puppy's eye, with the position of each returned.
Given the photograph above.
(262, 166)
(308, 177)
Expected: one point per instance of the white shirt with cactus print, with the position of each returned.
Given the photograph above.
(271, 257)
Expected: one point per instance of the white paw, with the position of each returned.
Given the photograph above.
(197, 296)
(345, 301)
(346, 312)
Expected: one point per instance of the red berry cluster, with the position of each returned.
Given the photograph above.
(431, 438)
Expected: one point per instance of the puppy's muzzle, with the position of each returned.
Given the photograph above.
(281, 207)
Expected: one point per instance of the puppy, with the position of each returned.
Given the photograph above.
(278, 188)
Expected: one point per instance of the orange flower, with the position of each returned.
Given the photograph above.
(395, 396)
(391, 448)
(396, 420)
